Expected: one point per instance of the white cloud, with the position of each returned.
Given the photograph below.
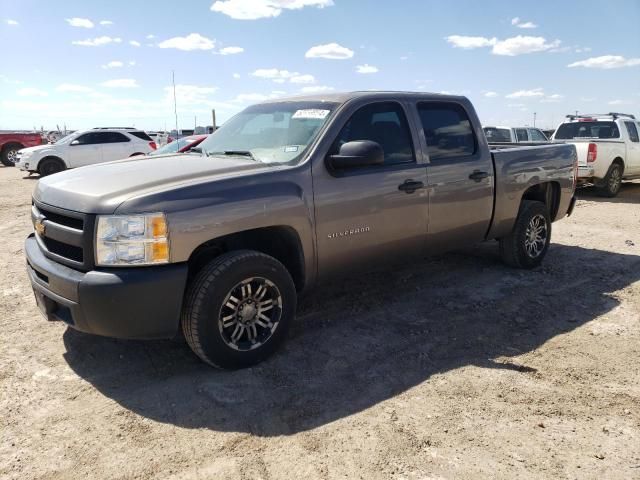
(250, 98)
(11, 22)
(113, 64)
(106, 22)
(491, 94)
(516, 22)
(132, 63)
(536, 92)
(121, 83)
(32, 92)
(331, 51)
(303, 79)
(618, 102)
(606, 62)
(134, 43)
(97, 42)
(555, 98)
(467, 43)
(230, 50)
(520, 44)
(254, 9)
(73, 88)
(190, 94)
(193, 41)
(366, 68)
(316, 89)
(517, 45)
(80, 22)
(236, 75)
(150, 36)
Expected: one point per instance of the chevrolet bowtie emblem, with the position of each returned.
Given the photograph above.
(39, 227)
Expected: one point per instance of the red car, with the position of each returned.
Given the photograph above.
(10, 143)
(181, 145)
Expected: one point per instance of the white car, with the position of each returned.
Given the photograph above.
(85, 148)
(608, 147)
(514, 135)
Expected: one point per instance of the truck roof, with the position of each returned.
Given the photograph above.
(342, 97)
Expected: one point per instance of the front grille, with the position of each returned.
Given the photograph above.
(70, 222)
(64, 235)
(64, 250)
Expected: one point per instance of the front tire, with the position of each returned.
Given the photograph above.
(49, 166)
(527, 244)
(612, 182)
(238, 309)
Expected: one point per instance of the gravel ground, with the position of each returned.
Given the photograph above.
(453, 368)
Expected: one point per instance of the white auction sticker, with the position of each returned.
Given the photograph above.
(311, 113)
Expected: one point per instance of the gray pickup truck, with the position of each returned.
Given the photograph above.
(219, 242)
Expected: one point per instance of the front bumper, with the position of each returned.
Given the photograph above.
(137, 302)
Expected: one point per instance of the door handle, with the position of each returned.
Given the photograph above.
(410, 186)
(477, 175)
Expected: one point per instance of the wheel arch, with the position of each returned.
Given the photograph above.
(12, 144)
(279, 241)
(545, 192)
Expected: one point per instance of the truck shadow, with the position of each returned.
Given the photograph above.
(629, 193)
(362, 341)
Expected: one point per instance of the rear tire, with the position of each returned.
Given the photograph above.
(49, 166)
(527, 244)
(238, 309)
(612, 182)
(8, 155)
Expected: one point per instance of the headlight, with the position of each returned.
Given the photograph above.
(132, 240)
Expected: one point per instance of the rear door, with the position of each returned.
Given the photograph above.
(84, 150)
(632, 164)
(364, 217)
(461, 176)
(536, 135)
(116, 146)
(522, 135)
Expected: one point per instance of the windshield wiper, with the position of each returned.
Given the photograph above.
(243, 153)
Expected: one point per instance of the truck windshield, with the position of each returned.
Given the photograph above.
(277, 132)
(583, 129)
(497, 135)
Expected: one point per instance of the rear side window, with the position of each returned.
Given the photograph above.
(497, 135)
(537, 135)
(521, 135)
(633, 131)
(587, 130)
(384, 123)
(142, 136)
(447, 130)
(114, 137)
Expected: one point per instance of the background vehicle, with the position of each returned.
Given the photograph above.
(514, 135)
(12, 142)
(85, 148)
(179, 146)
(285, 194)
(608, 147)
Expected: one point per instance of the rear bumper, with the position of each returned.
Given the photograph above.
(586, 171)
(142, 303)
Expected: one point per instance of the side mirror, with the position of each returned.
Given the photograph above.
(75, 142)
(358, 153)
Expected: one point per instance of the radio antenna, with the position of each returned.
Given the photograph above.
(175, 104)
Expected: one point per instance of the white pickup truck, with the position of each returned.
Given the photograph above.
(608, 147)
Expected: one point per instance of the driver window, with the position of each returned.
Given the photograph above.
(384, 123)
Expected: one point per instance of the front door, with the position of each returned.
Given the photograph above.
(366, 216)
(461, 176)
(632, 166)
(84, 150)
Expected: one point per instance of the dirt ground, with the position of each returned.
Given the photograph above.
(457, 367)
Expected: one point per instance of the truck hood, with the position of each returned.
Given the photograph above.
(37, 148)
(103, 187)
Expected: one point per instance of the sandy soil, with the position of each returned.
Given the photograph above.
(456, 367)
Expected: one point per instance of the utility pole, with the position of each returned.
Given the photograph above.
(175, 106)
(213, 118)
(576, 113)
(534, 119)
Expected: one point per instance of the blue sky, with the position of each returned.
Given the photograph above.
(88, 64)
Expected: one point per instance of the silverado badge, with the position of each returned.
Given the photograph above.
(39, 227)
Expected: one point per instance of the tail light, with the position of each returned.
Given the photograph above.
(592, 153)
(153, 145)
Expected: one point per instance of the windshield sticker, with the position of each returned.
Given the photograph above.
(311, 113)
(291, 148)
